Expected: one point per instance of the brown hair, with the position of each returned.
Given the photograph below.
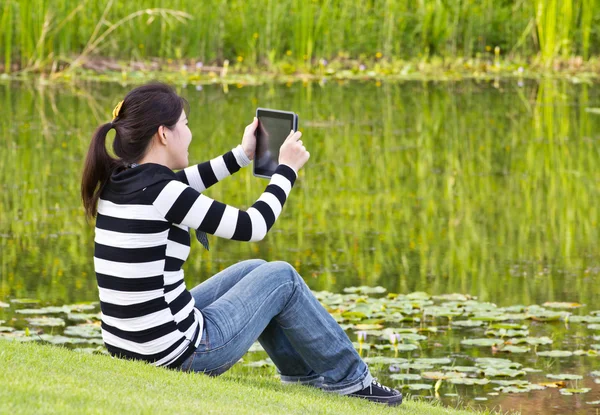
(144, 109)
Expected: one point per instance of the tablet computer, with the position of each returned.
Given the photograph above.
(274, 127)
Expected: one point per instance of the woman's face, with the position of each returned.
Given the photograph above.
(179, 141)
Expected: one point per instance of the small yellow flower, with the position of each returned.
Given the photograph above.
(141, 46)
(288, 52)
(255, 35)
(488, 48)
(169, 60)
(240, 58)
(378, 83)
(378, 55)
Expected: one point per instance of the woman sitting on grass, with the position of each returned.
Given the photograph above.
(144, 212)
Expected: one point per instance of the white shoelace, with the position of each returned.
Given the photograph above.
(385, 388)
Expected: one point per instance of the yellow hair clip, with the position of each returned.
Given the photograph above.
(116, 110)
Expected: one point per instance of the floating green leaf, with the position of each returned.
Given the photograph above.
(384, 360)
(569, 391)
(89, 330)
(434, 360)
(481, 342)
(594, 326)
(467, 323)
(556, 353)
(466, 369)
(469, 381)
(513, 349)
(503, 372)
(46, 321)
(405, 376)
(443, 375)
(364, 289)
(564, 376)
(418, 386)
(562, 305)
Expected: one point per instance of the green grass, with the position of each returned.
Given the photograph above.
(48, 379)
(293, 33)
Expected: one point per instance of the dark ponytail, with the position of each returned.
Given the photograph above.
(144, 109)
(99, 165)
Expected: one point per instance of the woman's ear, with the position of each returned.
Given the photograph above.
(162, 136)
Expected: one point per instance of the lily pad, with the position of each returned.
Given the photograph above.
(594, 326)
(533, 341)
(384, 360)
(4, 329)
(495, 362)
(412, 366)
(89, 330)
(467, 323)
(503, 372)
(43, 311)
(405, 376)
(82, 317)
(564, 376)
(443, 375)
(4, 305)
(507, 333)
(481, 342)
(593, 403)
(469, 381)
(452, 297)
(517, 389)
(364, 289)
(570, 391)
(561, 305)
(25, 301)
(434, 360)
(418, 386)
(514, 349)
(465, 369)
(584, 319)
(556, 353)
(586, 353)
(46, 321)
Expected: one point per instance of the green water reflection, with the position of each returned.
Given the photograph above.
(447, 187)
(487, 190)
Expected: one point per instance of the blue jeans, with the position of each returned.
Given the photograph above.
(270, 302)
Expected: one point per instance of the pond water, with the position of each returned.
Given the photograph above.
(486, 189)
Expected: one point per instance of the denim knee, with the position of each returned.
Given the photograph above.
(254, 263)
(283, 272)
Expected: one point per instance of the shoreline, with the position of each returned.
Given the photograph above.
(184, 72)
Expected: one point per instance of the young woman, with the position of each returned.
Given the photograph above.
(144, 212)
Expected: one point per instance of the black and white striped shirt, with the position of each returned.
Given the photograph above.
(142, 240)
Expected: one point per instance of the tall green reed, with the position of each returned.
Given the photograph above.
(301, 33)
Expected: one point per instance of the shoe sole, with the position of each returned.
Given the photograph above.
(391, 401)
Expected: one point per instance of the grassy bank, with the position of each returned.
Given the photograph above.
(47, 379)
(294, 35)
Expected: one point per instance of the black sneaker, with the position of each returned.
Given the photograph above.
(376, 392)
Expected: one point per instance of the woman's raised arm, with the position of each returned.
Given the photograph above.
(182, 204)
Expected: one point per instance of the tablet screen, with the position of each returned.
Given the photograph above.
(271, 134)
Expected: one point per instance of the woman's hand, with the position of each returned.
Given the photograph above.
(292, 151)
(249, 139)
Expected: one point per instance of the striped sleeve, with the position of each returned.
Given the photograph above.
(202, 176)
(182, 204)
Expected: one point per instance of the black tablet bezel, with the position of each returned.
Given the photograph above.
(270, 113)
